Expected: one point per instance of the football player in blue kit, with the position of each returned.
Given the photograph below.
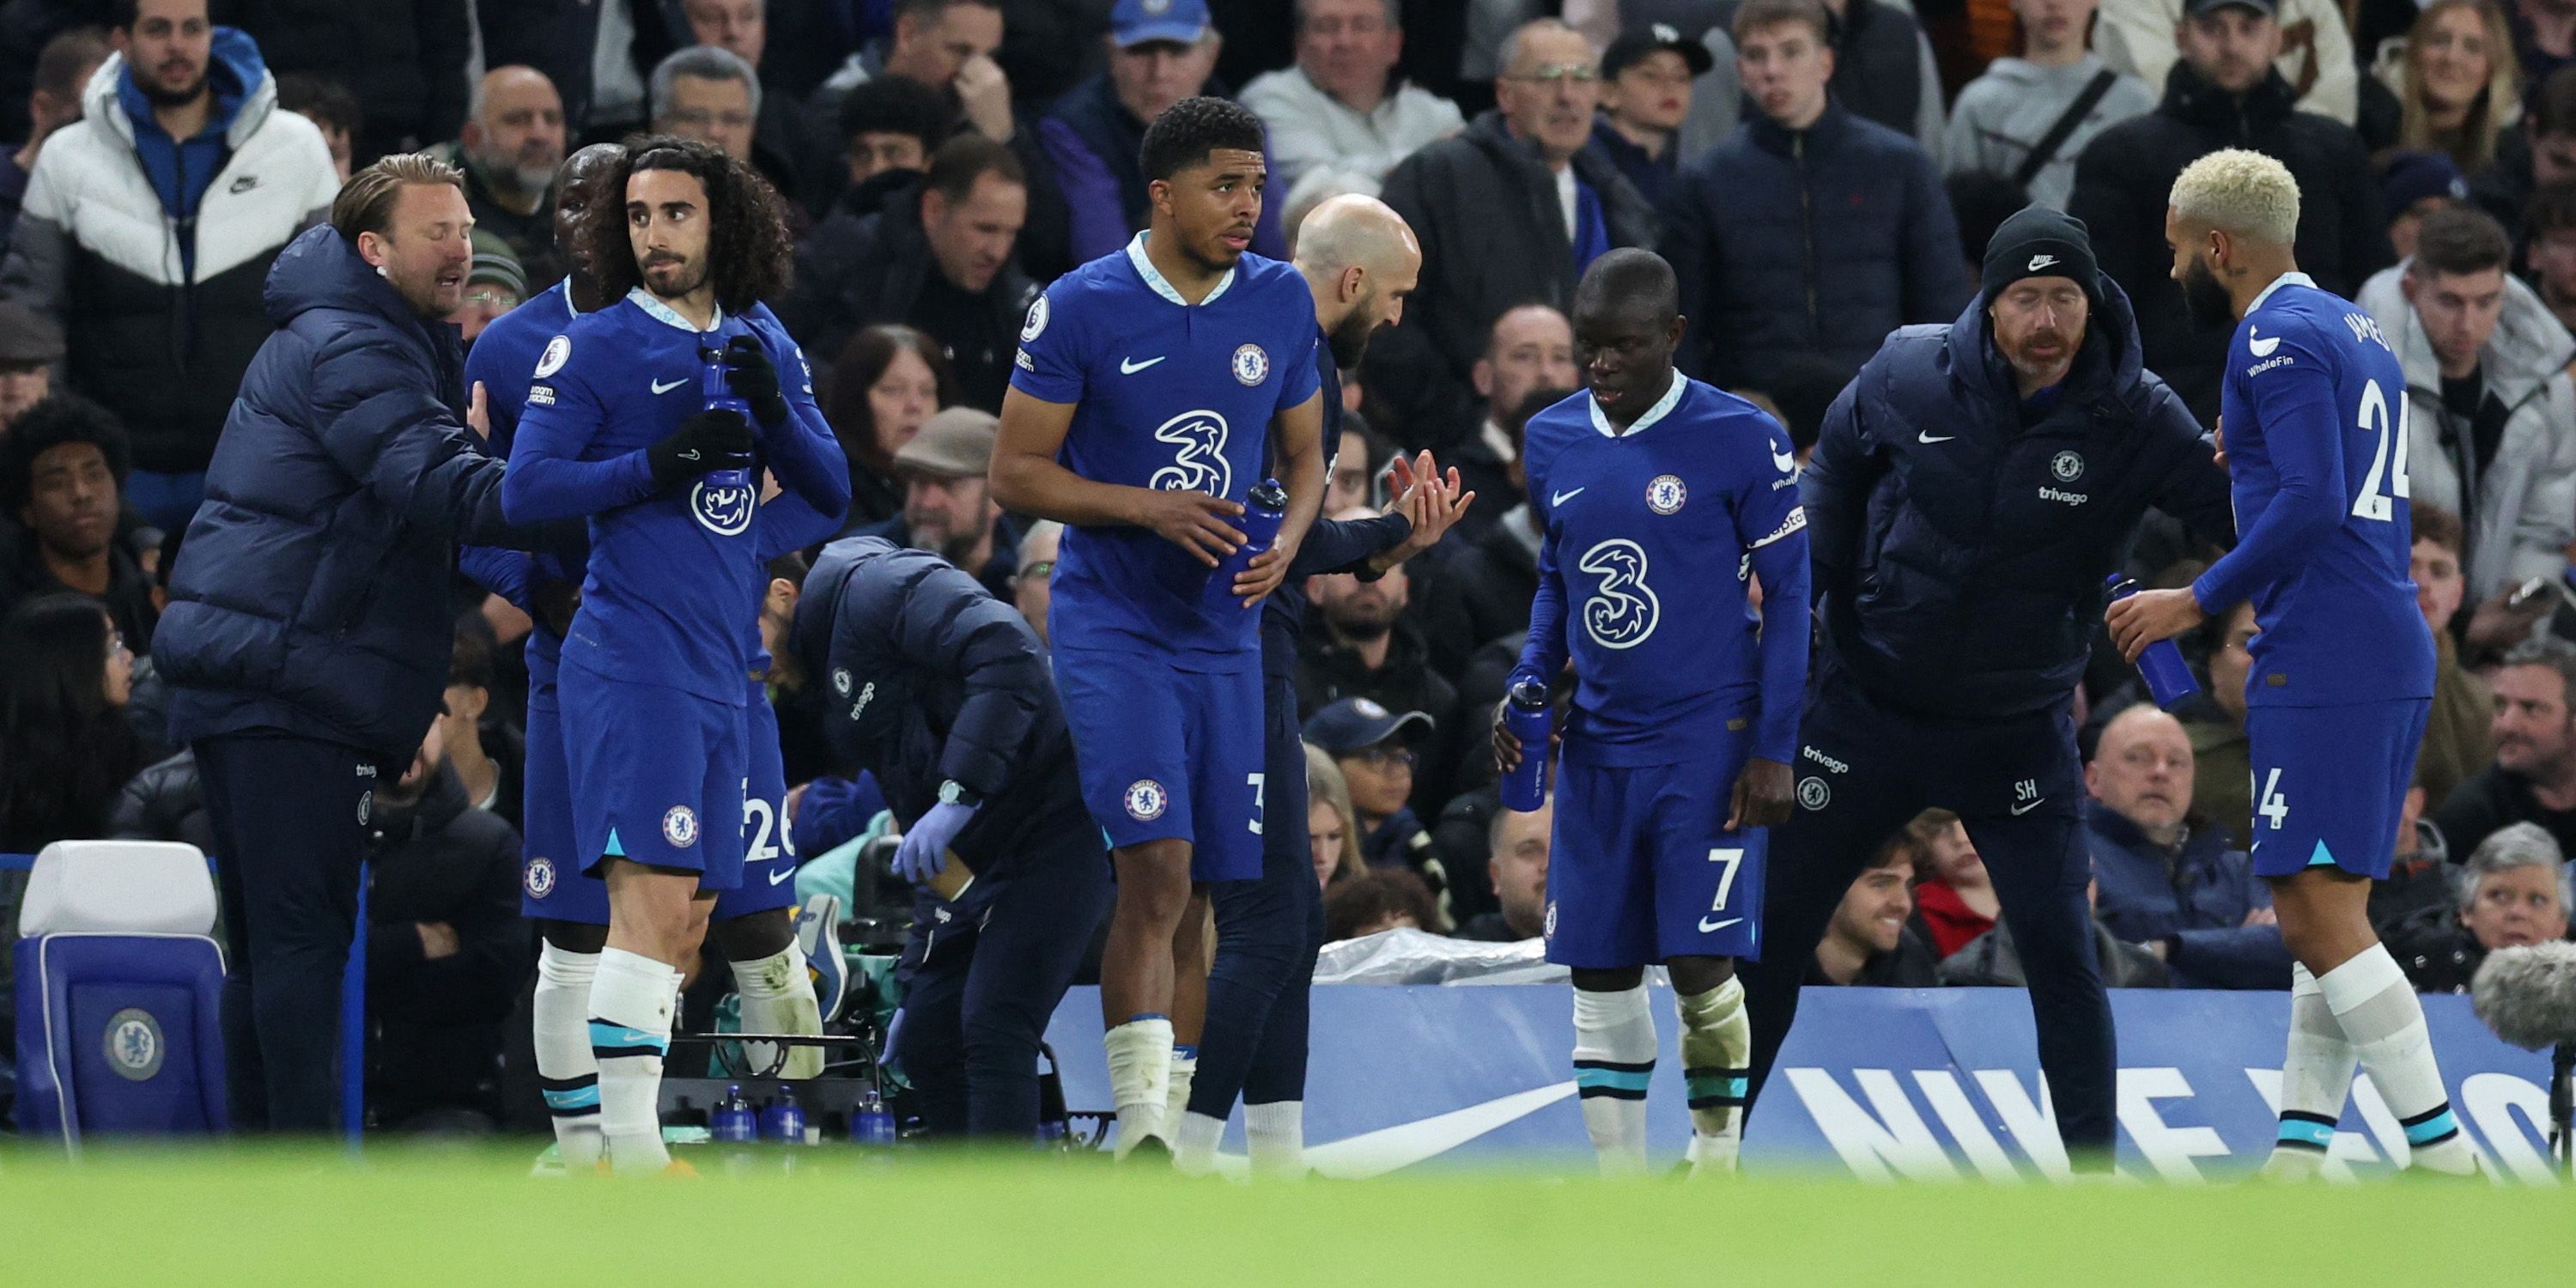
(569, 906)
(652, 677)
(1663, 497)
(1152, 384)
(2313, 422)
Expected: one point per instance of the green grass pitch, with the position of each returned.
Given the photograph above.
(474, 1218)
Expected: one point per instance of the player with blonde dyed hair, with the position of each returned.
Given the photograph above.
(2342, 674)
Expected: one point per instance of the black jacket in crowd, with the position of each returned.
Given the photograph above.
(2491, 801)
(2128, 170)
(434, 1038)
(1493, 236)
(856, 270)
(165, 802)
(1960, 545)
(405, 60)
(1327, 672)
(1480, 594)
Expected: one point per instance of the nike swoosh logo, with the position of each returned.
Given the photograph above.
(2019, 810)
(1926, 437)
(2261, 348)
(664, 387)
(689, 455)
(782, 876)
(1388, 1149)
(634, 1037)
(1785, 460)
(1563, 497)
(1129, 366)
(1706, 925)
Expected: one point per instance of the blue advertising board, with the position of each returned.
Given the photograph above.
(1885, 1084)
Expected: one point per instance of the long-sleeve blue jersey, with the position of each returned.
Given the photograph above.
(1650, 537)
(2314, 412)
(673, 578)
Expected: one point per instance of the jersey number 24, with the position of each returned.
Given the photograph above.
(2385, 465)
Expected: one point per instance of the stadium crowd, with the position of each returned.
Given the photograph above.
(1819, 175)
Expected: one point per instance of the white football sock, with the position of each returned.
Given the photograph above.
(1274, 1135)
(777, 995)
(2384, 1022)
(1717, 1044)
(1194, 1144)
(1176, 1088)
(2316, 1078)
(630, 1029)
(1140, 1070)
(566, 1069)
(1614, 1055)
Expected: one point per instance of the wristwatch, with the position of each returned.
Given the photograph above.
(953, 792)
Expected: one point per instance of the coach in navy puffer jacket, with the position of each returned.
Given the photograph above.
(1822, 240)
(1961, 536)
(311, 594)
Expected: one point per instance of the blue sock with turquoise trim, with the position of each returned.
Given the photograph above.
(2385, 1024)
(630, 1030)
(1614, 1057)
(1717, 1044)
(2316, 1079)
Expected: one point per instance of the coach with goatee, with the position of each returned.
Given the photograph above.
(306, 642)
(1970, 491)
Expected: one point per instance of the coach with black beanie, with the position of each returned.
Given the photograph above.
(1968, 494)
(307, 636)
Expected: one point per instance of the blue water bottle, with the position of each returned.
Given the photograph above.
(1525, 788)
(719, 396)
(731, 1122)
(2168, 677)
(1263, 508)
(871, 1124)
(783, 1120)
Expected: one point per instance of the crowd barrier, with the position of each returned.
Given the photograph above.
(1884, 1084)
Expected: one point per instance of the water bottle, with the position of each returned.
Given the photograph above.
(871, 1124)
(1525, 788)
(1263, 508)
(731, 1121)
(782, 1120)
(2168, 677)
(719, 396)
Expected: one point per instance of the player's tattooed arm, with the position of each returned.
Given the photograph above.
(1028, 479)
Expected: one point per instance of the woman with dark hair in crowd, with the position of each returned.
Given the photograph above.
(2458, 83)
(886, 381)
(65, 747)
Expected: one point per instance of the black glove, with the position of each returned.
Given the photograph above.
(704, 443)
(753, 380)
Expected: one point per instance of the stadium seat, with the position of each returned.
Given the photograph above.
(119, 994)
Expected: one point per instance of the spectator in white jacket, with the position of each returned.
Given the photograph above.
(2014, 119)
(2491, 416)
(2137, 36)
(1341, 118)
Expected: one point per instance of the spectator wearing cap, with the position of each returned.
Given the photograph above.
(494, 285)
(1754, 216)
(938, 257)
(2028, 118)
(2225, 93)
(2492, 414)
(30, 345)
(1509, 213)
(1369, 648)
(2413, 185)
(2315, 56)
(1646, 78)
(2551, 253)
(1377, 751)
(512, 142)
(166, 204)
(1160, 52)
(1342, 117)
(948, 505)
(62, 479)
(61, 70)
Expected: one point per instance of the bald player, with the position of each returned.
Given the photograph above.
(1663, 498)
(2314, 411)
(1360, 261)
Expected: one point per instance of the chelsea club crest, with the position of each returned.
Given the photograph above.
(1666, 494)
(1251, 365)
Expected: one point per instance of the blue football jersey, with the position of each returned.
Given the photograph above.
(1649, 540)
(2314, 413)
(673, 579)
(504, 359)
(1168, 395)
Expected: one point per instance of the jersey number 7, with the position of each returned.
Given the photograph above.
(2373, 503)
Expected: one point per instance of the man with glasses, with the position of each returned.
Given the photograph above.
(1374, 748)
(1508, 213)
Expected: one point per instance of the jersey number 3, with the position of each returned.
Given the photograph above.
(2385, 464)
